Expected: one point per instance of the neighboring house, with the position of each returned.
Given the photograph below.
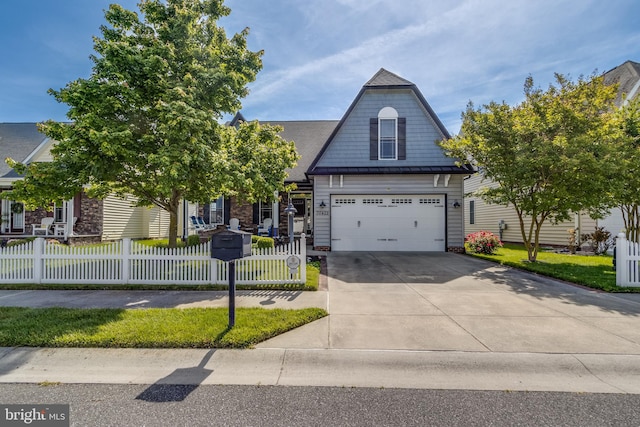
(482, 216)
(375, 180)
(80, 219)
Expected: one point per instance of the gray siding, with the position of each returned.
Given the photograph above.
(387, 184)
(350, 146)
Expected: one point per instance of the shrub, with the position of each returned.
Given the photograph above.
(599, 241)
(260, 242)
(193, 240)
(483, 242)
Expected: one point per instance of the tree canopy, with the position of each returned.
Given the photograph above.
(548, 156)
(624, 189)
(146, 122)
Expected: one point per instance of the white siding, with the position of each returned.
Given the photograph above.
(614, 222)
(158, 220)
(121, 219)
(488, 216)
(44, 154)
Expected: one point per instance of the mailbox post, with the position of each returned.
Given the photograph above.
(230, 245)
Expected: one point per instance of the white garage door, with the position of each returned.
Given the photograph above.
(387, 223)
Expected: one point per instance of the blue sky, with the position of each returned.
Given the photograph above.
(319, 53)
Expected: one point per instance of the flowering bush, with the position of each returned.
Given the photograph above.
(483, 242)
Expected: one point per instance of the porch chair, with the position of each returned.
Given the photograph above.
(195, 223)
(203, 224)
(45, 225)
(60, 229)
(234, 224)
(265, 230)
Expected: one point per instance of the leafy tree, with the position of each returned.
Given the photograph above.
(625, 186)
(547, 156)
(146, 121)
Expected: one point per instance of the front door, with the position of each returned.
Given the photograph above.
(12, 217)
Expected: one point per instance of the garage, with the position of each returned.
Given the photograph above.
(388, 222)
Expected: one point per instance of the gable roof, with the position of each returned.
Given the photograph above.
(384, 80)
(18, 141)
(627, 75)
(308, 136)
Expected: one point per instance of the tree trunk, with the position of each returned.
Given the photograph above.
(174, 208)
(173, 228)
(631, 217)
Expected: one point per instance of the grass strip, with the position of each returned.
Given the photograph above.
(594, 271)
(146, 328)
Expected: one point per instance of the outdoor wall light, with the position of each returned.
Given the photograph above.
(322, 205)
(456, 204)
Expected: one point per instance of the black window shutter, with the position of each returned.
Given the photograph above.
(402, 138)
(256, 213)
(206, 213)
(227, 210)
(373, 139)
(77, 205)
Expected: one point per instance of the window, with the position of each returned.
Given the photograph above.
(60, 212)
(216, 211)
(266, 211)
(472, 212)
(388, 134)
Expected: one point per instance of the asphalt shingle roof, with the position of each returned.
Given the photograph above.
(387, 78)
(308, 136)
(18, 141)
(628, 76)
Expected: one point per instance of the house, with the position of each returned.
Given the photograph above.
(373, 180)
(381, 182)
(81, 219)
(489, 217)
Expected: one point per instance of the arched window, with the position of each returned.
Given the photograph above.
(388, 134)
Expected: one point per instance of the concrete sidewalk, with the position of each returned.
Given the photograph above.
(339, 368)
(396, 320)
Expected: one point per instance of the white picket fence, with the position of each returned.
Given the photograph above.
(128, 262)
(627, 262)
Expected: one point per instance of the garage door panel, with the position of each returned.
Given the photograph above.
(388, 223)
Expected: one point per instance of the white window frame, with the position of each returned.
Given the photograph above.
(60, 212)
(388, 114)
(263, 209)
(213, 213)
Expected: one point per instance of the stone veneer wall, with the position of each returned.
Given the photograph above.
(34, 217)
(456, 249)
(244, 212)
(91, 216)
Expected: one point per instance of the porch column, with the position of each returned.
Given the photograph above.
(70, 222)
(275, 213)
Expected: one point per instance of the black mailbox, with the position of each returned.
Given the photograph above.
(229, 245)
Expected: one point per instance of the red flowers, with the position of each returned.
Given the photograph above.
(482, 242)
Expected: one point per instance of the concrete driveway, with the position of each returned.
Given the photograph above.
(450, 302)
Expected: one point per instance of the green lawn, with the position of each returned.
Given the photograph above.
(146, 328)
(589, 270)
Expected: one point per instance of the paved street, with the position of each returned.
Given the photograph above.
(187, 405)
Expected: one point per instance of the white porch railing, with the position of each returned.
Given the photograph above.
(128, 262)
(627, 262)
